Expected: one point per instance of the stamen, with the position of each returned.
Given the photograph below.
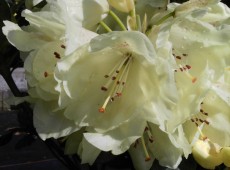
(122, 78)
(63, 46)
(102, 109)
(120, 72)
(191, 77)
(147, 157)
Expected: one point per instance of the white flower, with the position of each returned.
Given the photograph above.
(43, 42)
(115, 69)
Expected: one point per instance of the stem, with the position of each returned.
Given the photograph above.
(138, 23)
(117, 19)
(165, 17)
(6, 74)
(104, 25)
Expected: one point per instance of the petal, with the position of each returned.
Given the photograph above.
(163, 149)
(50, 29)
(73, 142)
(19, 38)
(117, 140)
(207, 154)
(89, 152)
(144, 78)
(138, 158)
(50, 124)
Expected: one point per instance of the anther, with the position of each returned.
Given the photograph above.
(178, 57)
(57, 55)
(46, 74)
(63, 46)
(207, 122)
(188, 66)
(104, 88)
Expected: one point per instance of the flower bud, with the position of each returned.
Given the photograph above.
(122, 5)
(207, 154)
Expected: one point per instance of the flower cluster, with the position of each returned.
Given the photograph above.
(148, 77)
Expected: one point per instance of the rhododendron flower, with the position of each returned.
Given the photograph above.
(156, 83)
(113, 69)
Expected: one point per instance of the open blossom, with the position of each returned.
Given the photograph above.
(115, 67)
(201, 50)
(43, 43)
(159, 89)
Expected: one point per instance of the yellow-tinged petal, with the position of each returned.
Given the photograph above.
(226, 156)
(207, 154)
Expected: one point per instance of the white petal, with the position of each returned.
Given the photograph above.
(51, 124)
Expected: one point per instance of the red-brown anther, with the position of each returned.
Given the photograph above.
(192, 120)
(119, 94)
(106, 76)
(197, 124)
(201, 111)
(207, 122)
(188, 66)
(181, 69)
(197, 119)
(147, 159)
(178, 57)
(45, 74)
(205, 113)
(117, 71)
(114, 78)
(118, 82)
(104, 88)
(202, 121)
(57, 55)
(185, 55)
(175, 70)
(63, 46)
